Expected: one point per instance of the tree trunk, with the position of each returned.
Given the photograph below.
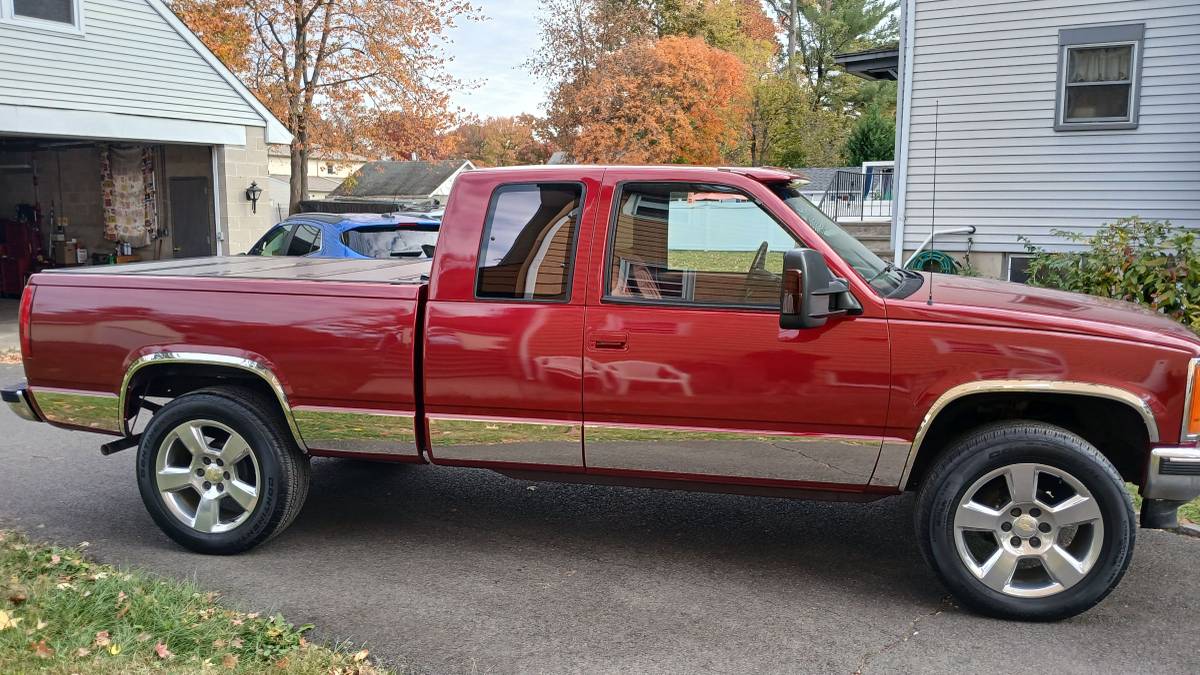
(299, 178)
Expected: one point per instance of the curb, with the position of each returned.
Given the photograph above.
(1188, 529)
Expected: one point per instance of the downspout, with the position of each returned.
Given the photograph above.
(907, 23)
(218, 232)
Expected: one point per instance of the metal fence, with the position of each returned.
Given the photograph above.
(855, 196)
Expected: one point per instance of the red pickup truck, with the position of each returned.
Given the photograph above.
(670, 327)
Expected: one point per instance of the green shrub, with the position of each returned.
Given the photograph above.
(1143, 261)
(873, 138)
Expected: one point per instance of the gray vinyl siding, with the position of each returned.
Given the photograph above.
(128, 61)
(1002, 167)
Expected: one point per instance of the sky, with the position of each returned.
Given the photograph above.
(492, 52)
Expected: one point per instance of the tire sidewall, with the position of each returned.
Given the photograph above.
(232, 413)
(1016, 448)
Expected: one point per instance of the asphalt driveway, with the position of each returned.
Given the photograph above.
(450, 571)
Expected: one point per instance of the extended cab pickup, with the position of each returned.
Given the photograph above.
(674, 327)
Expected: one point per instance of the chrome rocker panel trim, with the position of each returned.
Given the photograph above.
(375, 432)
(80, 409)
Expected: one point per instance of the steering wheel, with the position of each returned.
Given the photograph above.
(758, 268)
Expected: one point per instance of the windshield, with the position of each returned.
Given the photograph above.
(884, 276)
(390, 241)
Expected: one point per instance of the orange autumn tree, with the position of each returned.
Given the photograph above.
(359, 75)
(502, 141)
(674, 100)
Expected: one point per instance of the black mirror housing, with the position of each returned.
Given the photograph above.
(810, 292)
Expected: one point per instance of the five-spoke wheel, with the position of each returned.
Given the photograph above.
(219, 470)
(1026, 520)
(207, 475)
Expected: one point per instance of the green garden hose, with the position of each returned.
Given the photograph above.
(934, 261)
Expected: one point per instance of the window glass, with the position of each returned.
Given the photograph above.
(1098, 83)
(390, 241)
(529, 242)
(62, 11)
(306, 240)
(695, 244)
(273, 242)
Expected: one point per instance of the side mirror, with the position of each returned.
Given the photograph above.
(810, 294)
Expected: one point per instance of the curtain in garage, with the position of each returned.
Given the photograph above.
(130, 193)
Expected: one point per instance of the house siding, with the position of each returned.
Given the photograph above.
(991, 69)
(128, 61)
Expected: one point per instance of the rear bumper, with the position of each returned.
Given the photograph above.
(17, 398)
(1173, 474)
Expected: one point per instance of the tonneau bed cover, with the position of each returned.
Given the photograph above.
(399, 271)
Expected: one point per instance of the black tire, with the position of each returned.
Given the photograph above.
(1007, 444)
(283, 470)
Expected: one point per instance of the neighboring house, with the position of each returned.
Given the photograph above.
(414, 181)
(1049, 114)
(279, 191)
(321, 164)
(122, 89)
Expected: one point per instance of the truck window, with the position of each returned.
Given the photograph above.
(681, 243)
(529, 242)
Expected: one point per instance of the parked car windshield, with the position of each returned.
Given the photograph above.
(884, 276)
(391, 241)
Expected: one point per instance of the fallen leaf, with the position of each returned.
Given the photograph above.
(8, 620)
(55, 559)
(114, 649)
(64, 585)
(361, 656)
(219, 644)
(236, 622)
(252, 615)
(161, 650)
(41, 649)
(120, 598)
(84, 544)
(229, 661)
(102, 639)
(282, 664)
(303, 643)
(17, 597)
(82, 652)
(41, 624)
(236, 643)
(123, 611)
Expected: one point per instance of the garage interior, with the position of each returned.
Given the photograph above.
(70, 201)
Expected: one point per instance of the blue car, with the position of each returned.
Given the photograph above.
(351, 235)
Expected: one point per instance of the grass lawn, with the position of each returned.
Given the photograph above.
(61, 613)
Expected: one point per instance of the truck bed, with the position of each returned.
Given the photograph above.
(340, 335)
(398, 271)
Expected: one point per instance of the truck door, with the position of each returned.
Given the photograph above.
(692, 377)
(504, 326)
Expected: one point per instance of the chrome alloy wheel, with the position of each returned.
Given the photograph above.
(207, 476)
(1028, 530)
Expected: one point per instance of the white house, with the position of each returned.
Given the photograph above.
(105, 100)
(1042, 115)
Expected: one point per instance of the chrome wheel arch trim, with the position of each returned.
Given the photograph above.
(1139, 405)
(208, 359)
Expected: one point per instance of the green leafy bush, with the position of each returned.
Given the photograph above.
(872, 139)
(1148, 262)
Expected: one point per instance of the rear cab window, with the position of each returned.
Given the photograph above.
(528, 246)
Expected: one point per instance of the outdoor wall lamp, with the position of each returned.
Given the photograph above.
(253, 193)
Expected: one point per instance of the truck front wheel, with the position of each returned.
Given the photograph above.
(1026, 520)
(219, 472)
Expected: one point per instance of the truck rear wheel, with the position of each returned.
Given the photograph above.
(1025, 520)
(219, 472)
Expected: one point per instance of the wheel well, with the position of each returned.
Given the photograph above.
(1114, 428)
(172, 380)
